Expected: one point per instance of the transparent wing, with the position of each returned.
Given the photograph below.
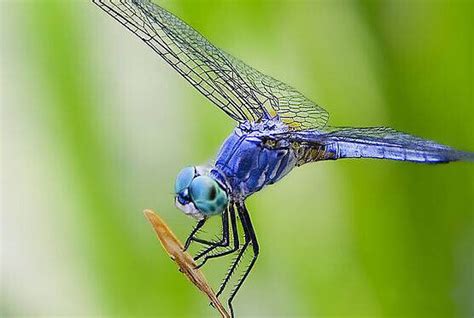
(281, 99)
(370, 142)
(239, 90)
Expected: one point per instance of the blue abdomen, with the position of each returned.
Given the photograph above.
(248, 165)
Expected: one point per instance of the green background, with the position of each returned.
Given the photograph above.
(95, 128)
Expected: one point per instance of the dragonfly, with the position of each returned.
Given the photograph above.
(277, 129)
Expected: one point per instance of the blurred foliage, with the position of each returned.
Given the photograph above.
(95, 127)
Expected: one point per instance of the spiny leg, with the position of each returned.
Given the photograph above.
(191, 237)
(235, 236)
(252, 239)
(223, 242)
(233, 265)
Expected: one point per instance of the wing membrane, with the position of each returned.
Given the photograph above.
(239, 90)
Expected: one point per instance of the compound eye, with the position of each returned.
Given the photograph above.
(207, 195)
(203, 188)
(183, 197)
(184, 179)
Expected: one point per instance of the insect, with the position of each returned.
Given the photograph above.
(278, 129)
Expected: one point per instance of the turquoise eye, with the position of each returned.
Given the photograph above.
(184, 178)
(207, 195)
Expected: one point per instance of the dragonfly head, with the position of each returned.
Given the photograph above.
(198, 194)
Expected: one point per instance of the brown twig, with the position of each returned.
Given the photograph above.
(185, 262)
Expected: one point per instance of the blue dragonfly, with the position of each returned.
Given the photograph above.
(277, 130)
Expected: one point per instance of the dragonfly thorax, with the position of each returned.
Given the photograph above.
(250, 158)
(198, 194)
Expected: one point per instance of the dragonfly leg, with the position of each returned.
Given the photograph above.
(223, 242)
(191, 237)
(250, 239)
(212, 245)
(250, 232)
(226, 243)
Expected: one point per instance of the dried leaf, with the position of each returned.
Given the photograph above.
(185, 262)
